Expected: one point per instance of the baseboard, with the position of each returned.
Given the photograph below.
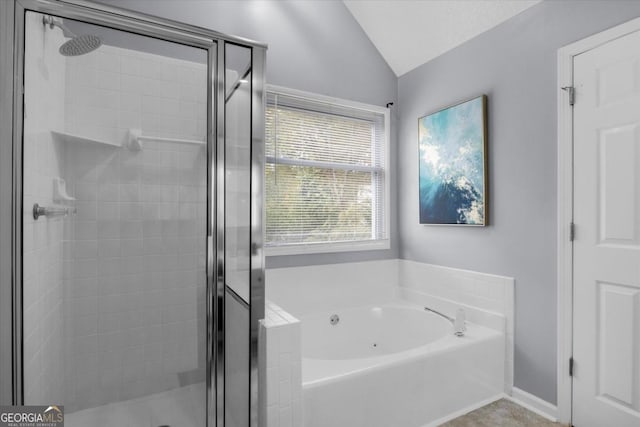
(534, 404)
(464, 411)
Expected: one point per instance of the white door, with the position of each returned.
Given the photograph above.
(606, 382)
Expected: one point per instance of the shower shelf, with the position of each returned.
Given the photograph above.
(64, 136)
(136, 139)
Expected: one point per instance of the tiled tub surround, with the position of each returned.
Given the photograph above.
(486, 298)
(114, 294)
(280, 369)
(420, 386)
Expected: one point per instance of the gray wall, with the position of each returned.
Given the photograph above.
(315, 46)
(515, 65)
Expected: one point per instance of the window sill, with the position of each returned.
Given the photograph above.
(319, 248)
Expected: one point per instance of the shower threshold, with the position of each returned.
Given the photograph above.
(184, 407)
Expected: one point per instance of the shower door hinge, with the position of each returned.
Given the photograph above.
(572, 232)
(571, 366)
(572, 94)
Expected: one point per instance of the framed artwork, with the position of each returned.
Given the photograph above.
(453, 164)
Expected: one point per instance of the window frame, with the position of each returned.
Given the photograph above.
(383, 243)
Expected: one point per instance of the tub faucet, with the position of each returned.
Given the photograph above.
(458, 322)
(459, 327)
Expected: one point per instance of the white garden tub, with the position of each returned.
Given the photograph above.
(395, 365)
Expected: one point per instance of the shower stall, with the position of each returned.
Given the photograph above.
(138, 270)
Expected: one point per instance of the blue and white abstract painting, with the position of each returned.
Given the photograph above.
(452, 164)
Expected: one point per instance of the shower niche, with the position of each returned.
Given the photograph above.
(123, 262)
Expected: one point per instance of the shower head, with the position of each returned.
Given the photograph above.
(80, 45)
(77, 45)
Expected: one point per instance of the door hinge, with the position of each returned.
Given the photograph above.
(572, 94)
(571, 366)
(572, 232)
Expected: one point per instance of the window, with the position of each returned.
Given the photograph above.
(326, 174)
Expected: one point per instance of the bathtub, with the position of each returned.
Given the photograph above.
(395, 365)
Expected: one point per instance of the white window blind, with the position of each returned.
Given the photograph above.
(325, 172)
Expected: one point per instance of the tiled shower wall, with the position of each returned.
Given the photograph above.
(112, 90)
(135, 252)
(42, 239)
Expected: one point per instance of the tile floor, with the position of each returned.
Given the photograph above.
(501, 413)
(180, 407)
(184, 407)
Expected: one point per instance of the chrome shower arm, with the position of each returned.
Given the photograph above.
(57, 22)
(75, 46)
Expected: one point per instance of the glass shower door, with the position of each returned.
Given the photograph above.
(114, 226)
(243, 259)
(237, 154)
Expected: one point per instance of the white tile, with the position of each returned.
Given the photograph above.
(152, 86)
(130, 211)
(108, 248)
(108, 267)
(171, 90)
(132, 85)
(85, 211)
(129, 120)
(109, 192)
(108, 211)
(296, 412)
(284, 367)
(284, 392)
(273, 417)
(84, 268)
(108, 229)
(286, 341)
(102, 98)
(85, 191)
(149, 124)
(191, 93)
(170, 72)
(130, 65)
(285, 416)
(85, 249)
(85, 345)
(150, 68)
(130, 102)
(131, 229)
(131, 247)
(106, 80)
(272, 389)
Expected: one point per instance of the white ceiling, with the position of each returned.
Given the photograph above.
(409, 33)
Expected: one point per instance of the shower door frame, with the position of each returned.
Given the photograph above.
(214, 43)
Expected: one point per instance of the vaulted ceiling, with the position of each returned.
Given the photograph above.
(409, 33)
